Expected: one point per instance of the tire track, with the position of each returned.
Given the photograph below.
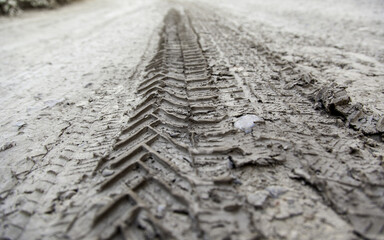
(177, 151)
(180, 170)
(343, 166)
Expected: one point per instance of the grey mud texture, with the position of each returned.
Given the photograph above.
(180, 170)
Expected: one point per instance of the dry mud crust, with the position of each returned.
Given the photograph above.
(179, 169)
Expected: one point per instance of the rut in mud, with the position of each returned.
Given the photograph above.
(181, 170)
(178, 146)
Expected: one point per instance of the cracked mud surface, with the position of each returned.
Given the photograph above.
(152, 151)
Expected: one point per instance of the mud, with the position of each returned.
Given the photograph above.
(336, 101)
(207, 132)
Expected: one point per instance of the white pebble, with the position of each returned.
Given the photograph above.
(107, 172)
(247, 122)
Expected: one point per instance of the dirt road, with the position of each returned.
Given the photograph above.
(193, 120)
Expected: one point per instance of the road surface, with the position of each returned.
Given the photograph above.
(193, 120)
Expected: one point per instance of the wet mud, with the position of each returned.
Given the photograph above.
(226, 140)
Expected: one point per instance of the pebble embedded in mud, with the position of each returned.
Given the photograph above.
(247, 122)
(20, 124)
(107, 172)
(160, 211)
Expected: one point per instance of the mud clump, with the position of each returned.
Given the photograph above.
(7, 146)
(336, 101)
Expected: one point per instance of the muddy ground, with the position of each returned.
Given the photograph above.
(193, 120)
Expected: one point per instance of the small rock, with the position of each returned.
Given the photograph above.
(247, 122)
(160, 211)
(276, 191)
(231, 163)
(107, 172)
(204, 196)
(20, 124)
